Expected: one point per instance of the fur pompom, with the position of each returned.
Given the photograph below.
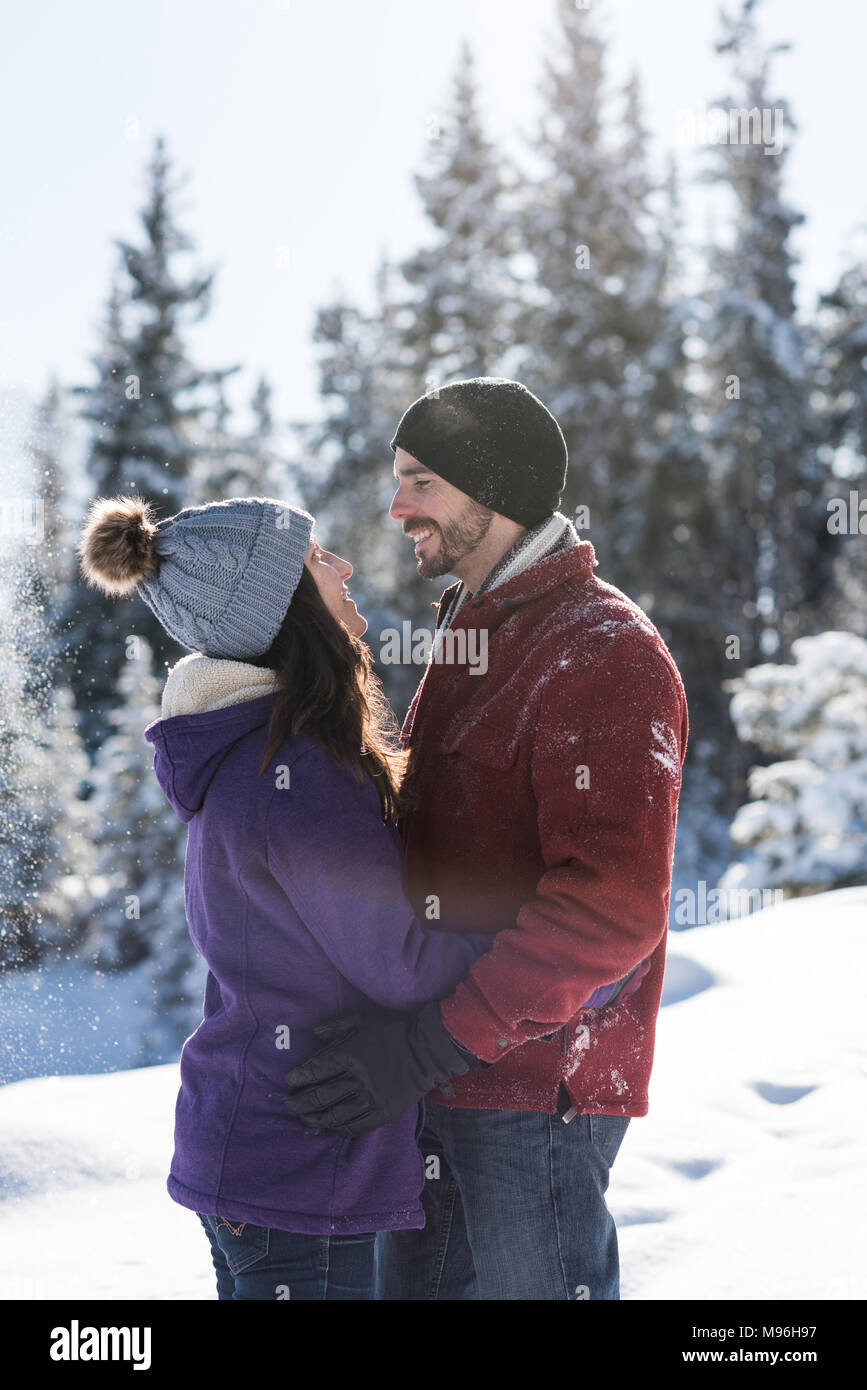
(116, 547)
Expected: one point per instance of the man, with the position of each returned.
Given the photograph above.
(545, 794)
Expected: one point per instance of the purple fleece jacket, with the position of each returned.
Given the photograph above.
(296, 899)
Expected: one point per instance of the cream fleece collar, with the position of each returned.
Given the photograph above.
(197, 683)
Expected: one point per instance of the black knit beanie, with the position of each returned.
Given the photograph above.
(493, 439)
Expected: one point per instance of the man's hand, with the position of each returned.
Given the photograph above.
(372, 1070)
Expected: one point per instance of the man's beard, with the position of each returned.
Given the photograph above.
(457, 539)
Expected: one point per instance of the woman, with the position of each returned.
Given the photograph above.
(276, 746)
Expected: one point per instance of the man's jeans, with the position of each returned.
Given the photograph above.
(257, 1262)
(515, 1208)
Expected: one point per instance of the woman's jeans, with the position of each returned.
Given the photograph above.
(515, 1208)
(257, 1262)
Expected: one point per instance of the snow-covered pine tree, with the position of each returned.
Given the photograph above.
(66, 819)
(45, 847)
(760, 422)
(148, 408)
(24, 766)
(139, 913)
(44, 844)
(231, 463)
(276, 474)
(597, 310)
(52, 565)
(805, 829)
(460, 318)
(137, 837)
(841, 384)
(677, 549)
(844, 362)
(347, 482)
(262, 408)
(41, 566)
(653, 459)
(65, 829)
(564, 213)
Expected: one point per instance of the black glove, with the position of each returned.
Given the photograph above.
(373, 1070)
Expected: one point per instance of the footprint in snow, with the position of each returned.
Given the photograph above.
(642, 1218)
(781, 1095)
(683, 978)
(697, 1167)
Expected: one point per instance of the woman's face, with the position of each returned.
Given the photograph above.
(330, 574)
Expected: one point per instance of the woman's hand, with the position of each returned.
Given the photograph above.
(373, 1070)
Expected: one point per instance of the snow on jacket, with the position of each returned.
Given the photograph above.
(296, 898)
(547, 793)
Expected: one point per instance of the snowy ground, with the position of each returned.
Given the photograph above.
(745, 1180)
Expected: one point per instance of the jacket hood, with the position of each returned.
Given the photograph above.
(207, 706)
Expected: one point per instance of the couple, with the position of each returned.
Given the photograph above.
(444, 959)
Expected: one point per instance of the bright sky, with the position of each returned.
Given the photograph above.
(300, 123)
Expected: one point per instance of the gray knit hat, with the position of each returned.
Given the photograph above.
(219, 578)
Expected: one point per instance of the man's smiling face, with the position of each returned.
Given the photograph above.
(444, 523)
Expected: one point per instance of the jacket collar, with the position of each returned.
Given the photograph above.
(575, 562)
(199, 683)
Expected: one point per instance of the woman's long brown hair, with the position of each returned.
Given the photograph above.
(329, 690)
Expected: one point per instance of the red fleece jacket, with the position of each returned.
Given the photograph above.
(546, 795)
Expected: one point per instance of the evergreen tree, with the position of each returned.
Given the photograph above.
(461, 317)
(274, 446)
(44, 840)
(262, 409)
(805, 828)
(230, 463)
(844, 363)
(760, 423)
(148, 410)
(275, 476)
(138, 839)
(40, 566)
(64, 831)
(677, 547)
(51, 569)
(348, 482)
(841, 388)
(597, 311)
